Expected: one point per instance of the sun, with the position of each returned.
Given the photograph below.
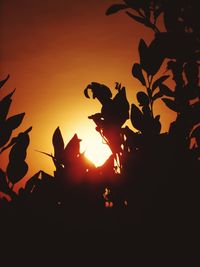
(95, 150)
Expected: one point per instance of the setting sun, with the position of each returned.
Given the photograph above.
(95, 150)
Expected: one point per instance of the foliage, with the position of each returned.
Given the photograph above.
(150, 175)
(17, 167)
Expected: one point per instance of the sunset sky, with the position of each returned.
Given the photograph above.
(52, 50)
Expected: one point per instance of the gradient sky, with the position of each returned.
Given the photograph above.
(52, 49)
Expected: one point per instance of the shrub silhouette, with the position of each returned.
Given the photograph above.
(17, 167)
(153, 175)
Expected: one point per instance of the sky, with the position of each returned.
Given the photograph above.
(52, 50)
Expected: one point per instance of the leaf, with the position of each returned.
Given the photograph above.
(115, 8)
(18, 151)
(143, 50)
(2, 82)
(164, 89)
(5, 105)
(143, 99)
(16, 171)
(3, 183)
(15, 121)
(157, 124)
(120, 108)
(58, 144)
(137, 73)
(171, 104)
(72, 149)
(137, 18)
(159, 81)
(137, 118)
(157, 95)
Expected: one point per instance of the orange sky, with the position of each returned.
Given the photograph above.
(52, 50)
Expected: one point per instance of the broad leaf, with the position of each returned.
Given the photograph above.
(171, 104)
(2, 82)
(159, 81)
(16, 171)
(15, 121)
(137, 118)
(115, 8)
(143, 99)
(137, 73)
(164, 89)
(17, 167)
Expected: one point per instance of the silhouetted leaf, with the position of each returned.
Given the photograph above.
(137, 118)
(121, 107)
(143, 50)
(143, 99)
(98, 91)
(137, 73)
(115, 8)
(164, 89)
(157, 124)
(159, 81)
(58, 144)
(72, 149)
(2, 82)
(5, 105)
(157, 95)
(18, 150)
(3, 183)
(137, 18)
(170, 104)
(16, 171)
(17, 167)
(15, 121)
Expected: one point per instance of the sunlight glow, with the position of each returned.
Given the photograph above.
(95, 149)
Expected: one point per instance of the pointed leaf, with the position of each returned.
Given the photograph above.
(137, 118)
(72, 149)
(58, 144)
(171, 104)
(2, 82)
(115, 8)
(5, 105)
(164, 89)
(137, 73)
(159, 81)
(136, 18)
(157, 95)
(15, 121)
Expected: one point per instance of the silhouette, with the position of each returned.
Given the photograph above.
(151, 179)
